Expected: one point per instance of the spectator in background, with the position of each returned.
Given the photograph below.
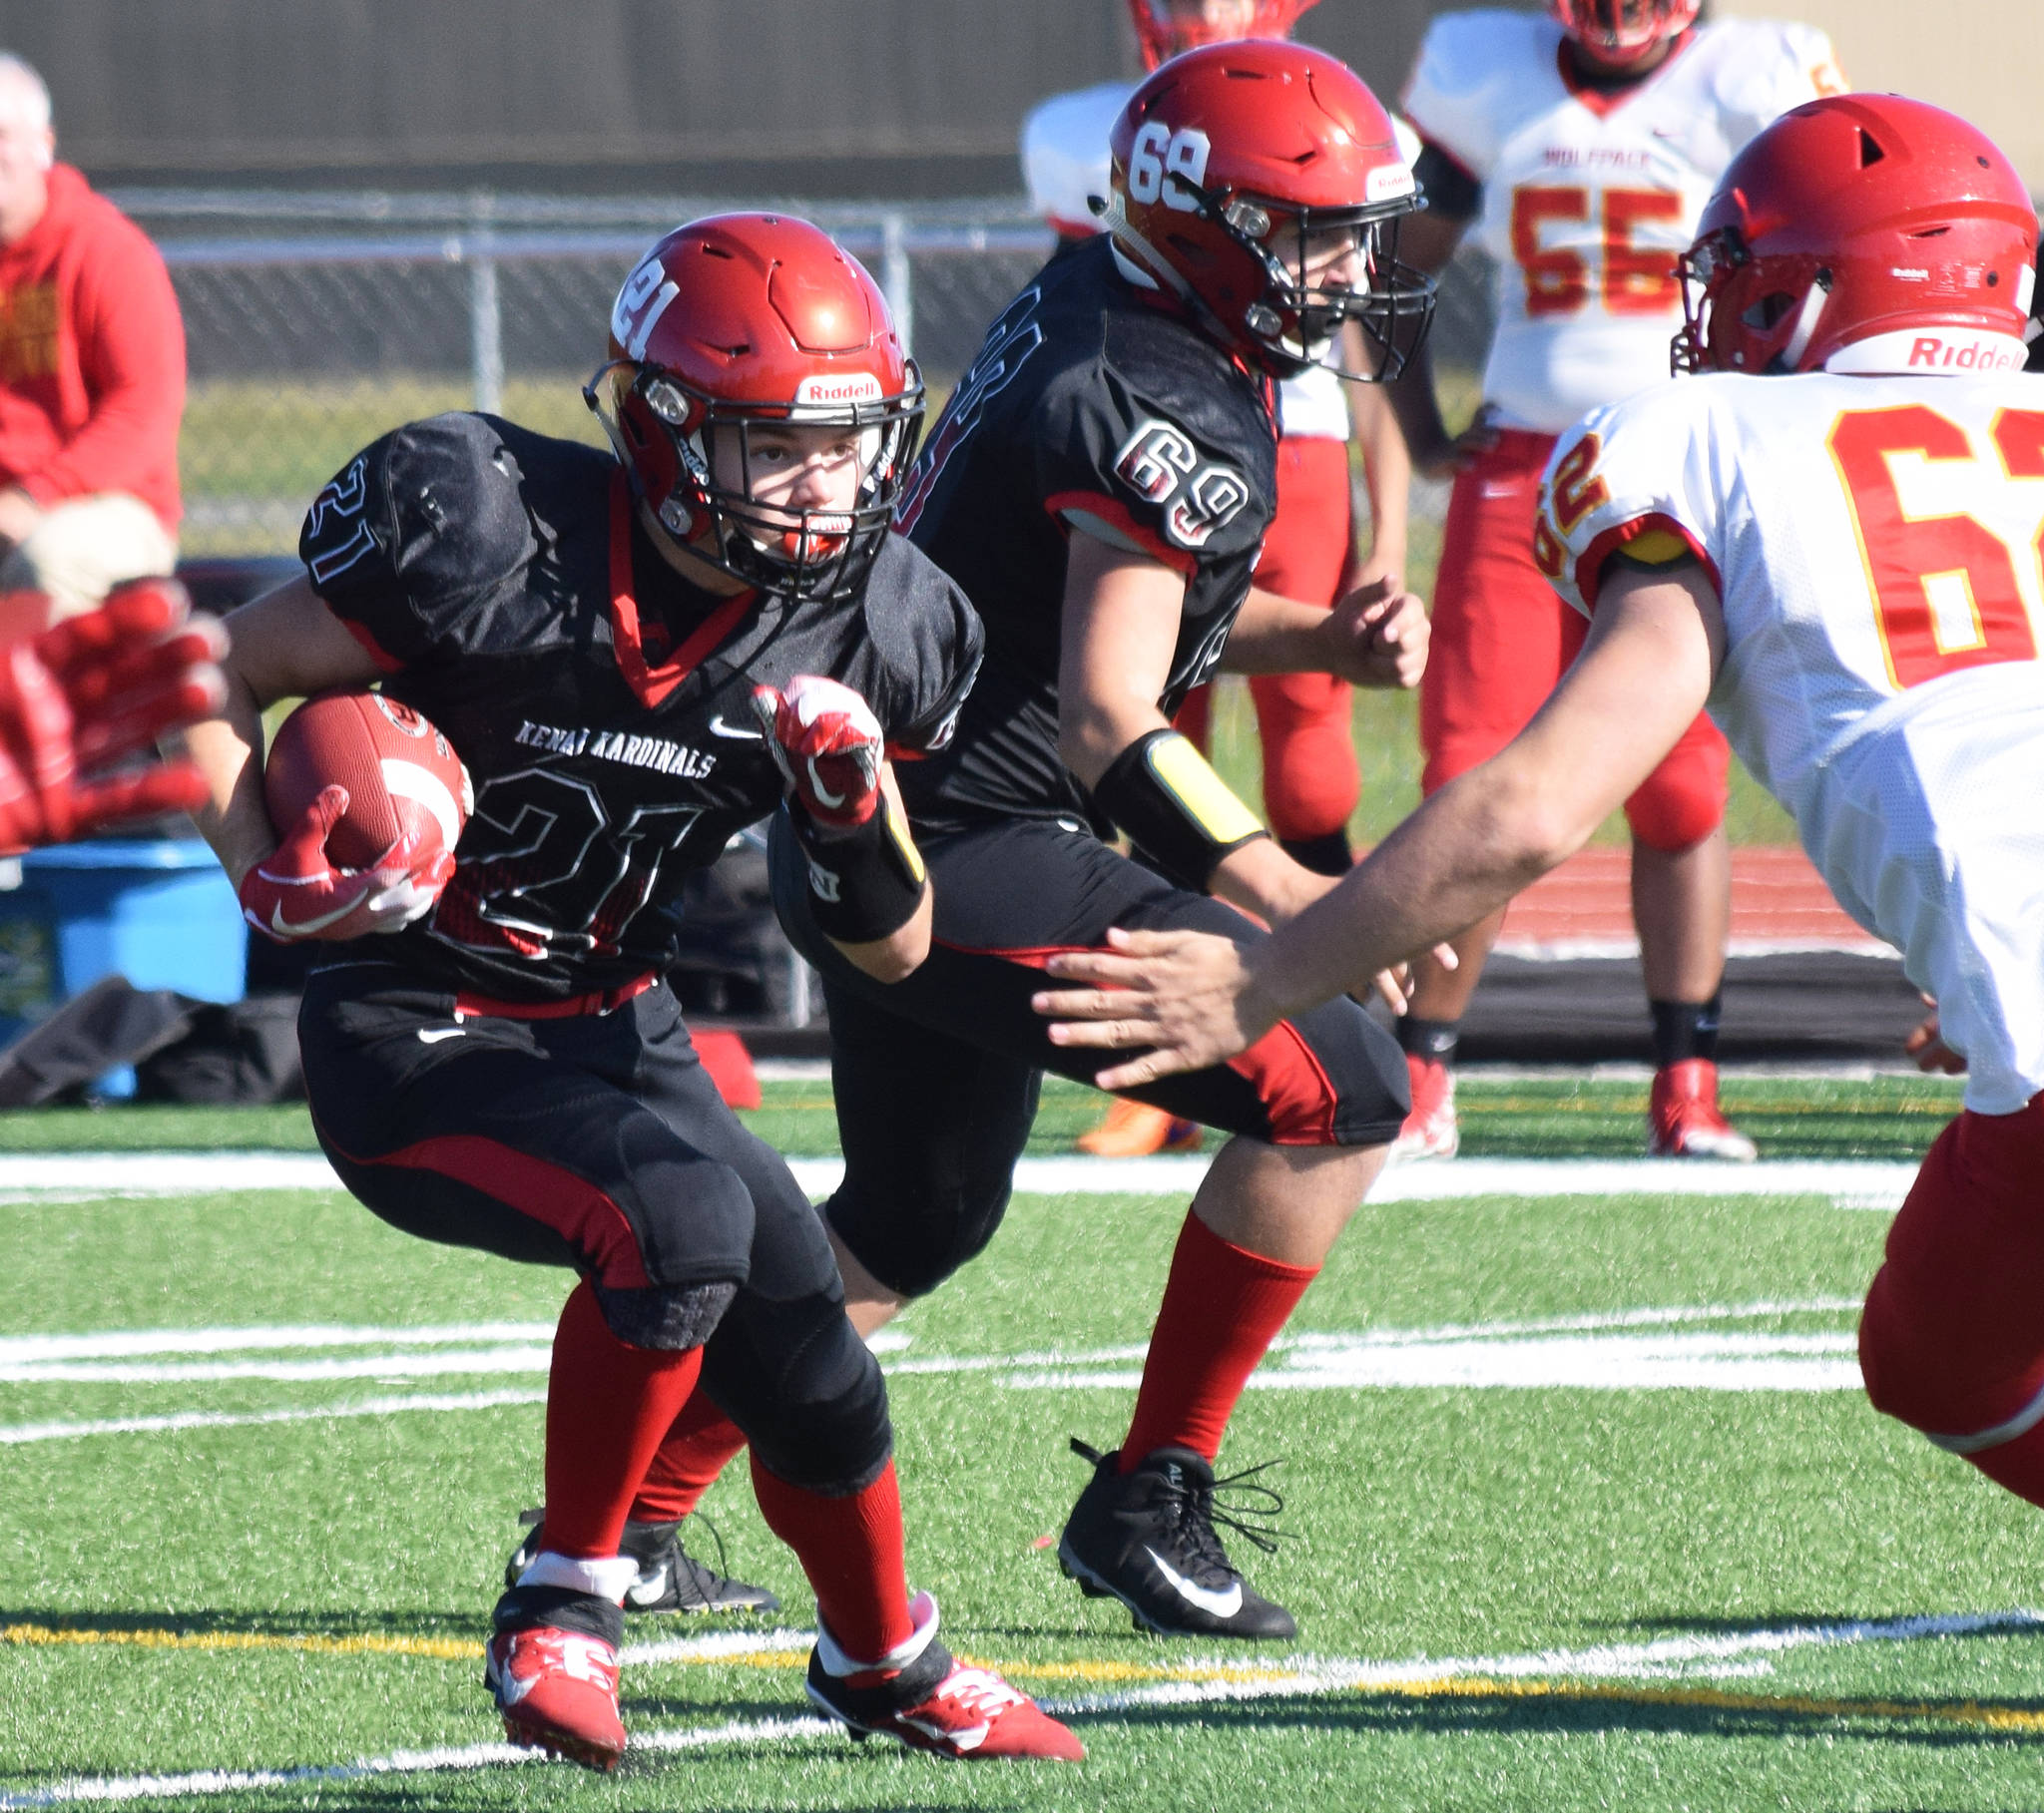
(92, 373)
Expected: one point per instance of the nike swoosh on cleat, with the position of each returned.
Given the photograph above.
(445, 1032)
(739, 732)
(1216, 1604)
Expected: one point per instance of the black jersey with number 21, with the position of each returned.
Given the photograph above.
(600, 702)
(1089, 407)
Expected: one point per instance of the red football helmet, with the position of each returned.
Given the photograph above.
(1850, 217)
(743, 320)
(1169, 28)
(1618, 33)
(1227, 158)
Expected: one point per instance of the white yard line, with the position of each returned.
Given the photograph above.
(1289, 1677)
(1853, 1182)
(17, 1434)
(1599, 1350)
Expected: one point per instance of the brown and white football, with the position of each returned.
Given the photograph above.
(398, 770)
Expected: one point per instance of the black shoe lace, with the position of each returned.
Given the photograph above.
(706, 1580)
(1246, 1513)
(1194, 1510)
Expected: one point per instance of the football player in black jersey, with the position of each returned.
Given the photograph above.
(1099, 484)
(635, 656)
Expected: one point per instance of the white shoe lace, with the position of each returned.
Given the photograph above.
(981, 1696)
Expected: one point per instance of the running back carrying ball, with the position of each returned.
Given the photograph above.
(399, 772)
(368, 800)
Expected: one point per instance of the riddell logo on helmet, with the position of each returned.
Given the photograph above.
(1387, 181)
(1906, 349)
(1929, 353)
(847, 388)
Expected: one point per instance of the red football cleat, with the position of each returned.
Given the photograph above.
(1684, 1119)
(1431, 1130)
(929, 1701)
(552, 1667)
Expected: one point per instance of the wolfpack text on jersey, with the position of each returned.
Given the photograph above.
(1588, 196)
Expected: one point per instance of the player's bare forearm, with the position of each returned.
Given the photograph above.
(1121, 623)
(1274, 635)
(1262, 879)
(1375, 637)
(283, 644)
(228, 752)
(1642, 676)
(1637, 684)
(1474, 846)
(1386, 479)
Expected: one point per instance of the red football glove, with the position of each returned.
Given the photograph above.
(78, 701)
(299, 894)
(828, 744)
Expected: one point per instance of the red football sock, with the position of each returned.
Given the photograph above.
(1223, 1307)
(696, 1449)
(608, 1405)
(851, 1547)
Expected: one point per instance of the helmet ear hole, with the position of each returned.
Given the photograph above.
(1769, 311)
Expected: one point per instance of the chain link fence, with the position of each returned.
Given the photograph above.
(315, 322)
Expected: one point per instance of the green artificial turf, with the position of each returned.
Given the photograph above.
(308, 1594)
(1508, 1116)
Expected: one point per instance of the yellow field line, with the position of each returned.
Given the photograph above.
(2015, 1719)
(1715, 1700)
(437, 1648)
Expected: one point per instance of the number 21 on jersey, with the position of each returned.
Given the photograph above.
(1947, 591)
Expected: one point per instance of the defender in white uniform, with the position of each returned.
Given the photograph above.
(1577, 152)
(1311, 782)
(1839, 539)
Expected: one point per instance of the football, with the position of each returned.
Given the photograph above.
(398, 770)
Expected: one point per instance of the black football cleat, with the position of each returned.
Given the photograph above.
(1147, 1538)
(670, 1578)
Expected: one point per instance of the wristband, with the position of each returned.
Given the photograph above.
(1175, 809)
(866, 881)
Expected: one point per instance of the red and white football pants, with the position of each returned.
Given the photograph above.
(1502, 638)
(1311, 779)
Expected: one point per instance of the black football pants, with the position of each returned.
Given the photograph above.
(596, 1142)
(937, 1077)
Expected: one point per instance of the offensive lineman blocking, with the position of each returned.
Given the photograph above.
(1838, 538)
(1099, 484)
(1311, 781)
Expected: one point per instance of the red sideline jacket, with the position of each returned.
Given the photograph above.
(91, 356)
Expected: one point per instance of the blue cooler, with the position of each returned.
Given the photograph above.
(158, 912)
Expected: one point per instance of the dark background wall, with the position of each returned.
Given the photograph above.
(848, 97)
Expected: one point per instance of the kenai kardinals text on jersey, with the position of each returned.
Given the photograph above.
(600, 702)
(1090, 407)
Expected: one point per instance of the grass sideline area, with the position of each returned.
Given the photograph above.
(1503, 1117)
(1713, 1579)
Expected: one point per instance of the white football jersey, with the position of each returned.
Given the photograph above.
(1065, 160)
(1877, 543)
(1588, 198)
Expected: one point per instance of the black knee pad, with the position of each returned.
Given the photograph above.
(918, 1239)
(806, 1390)
(671, 1321)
